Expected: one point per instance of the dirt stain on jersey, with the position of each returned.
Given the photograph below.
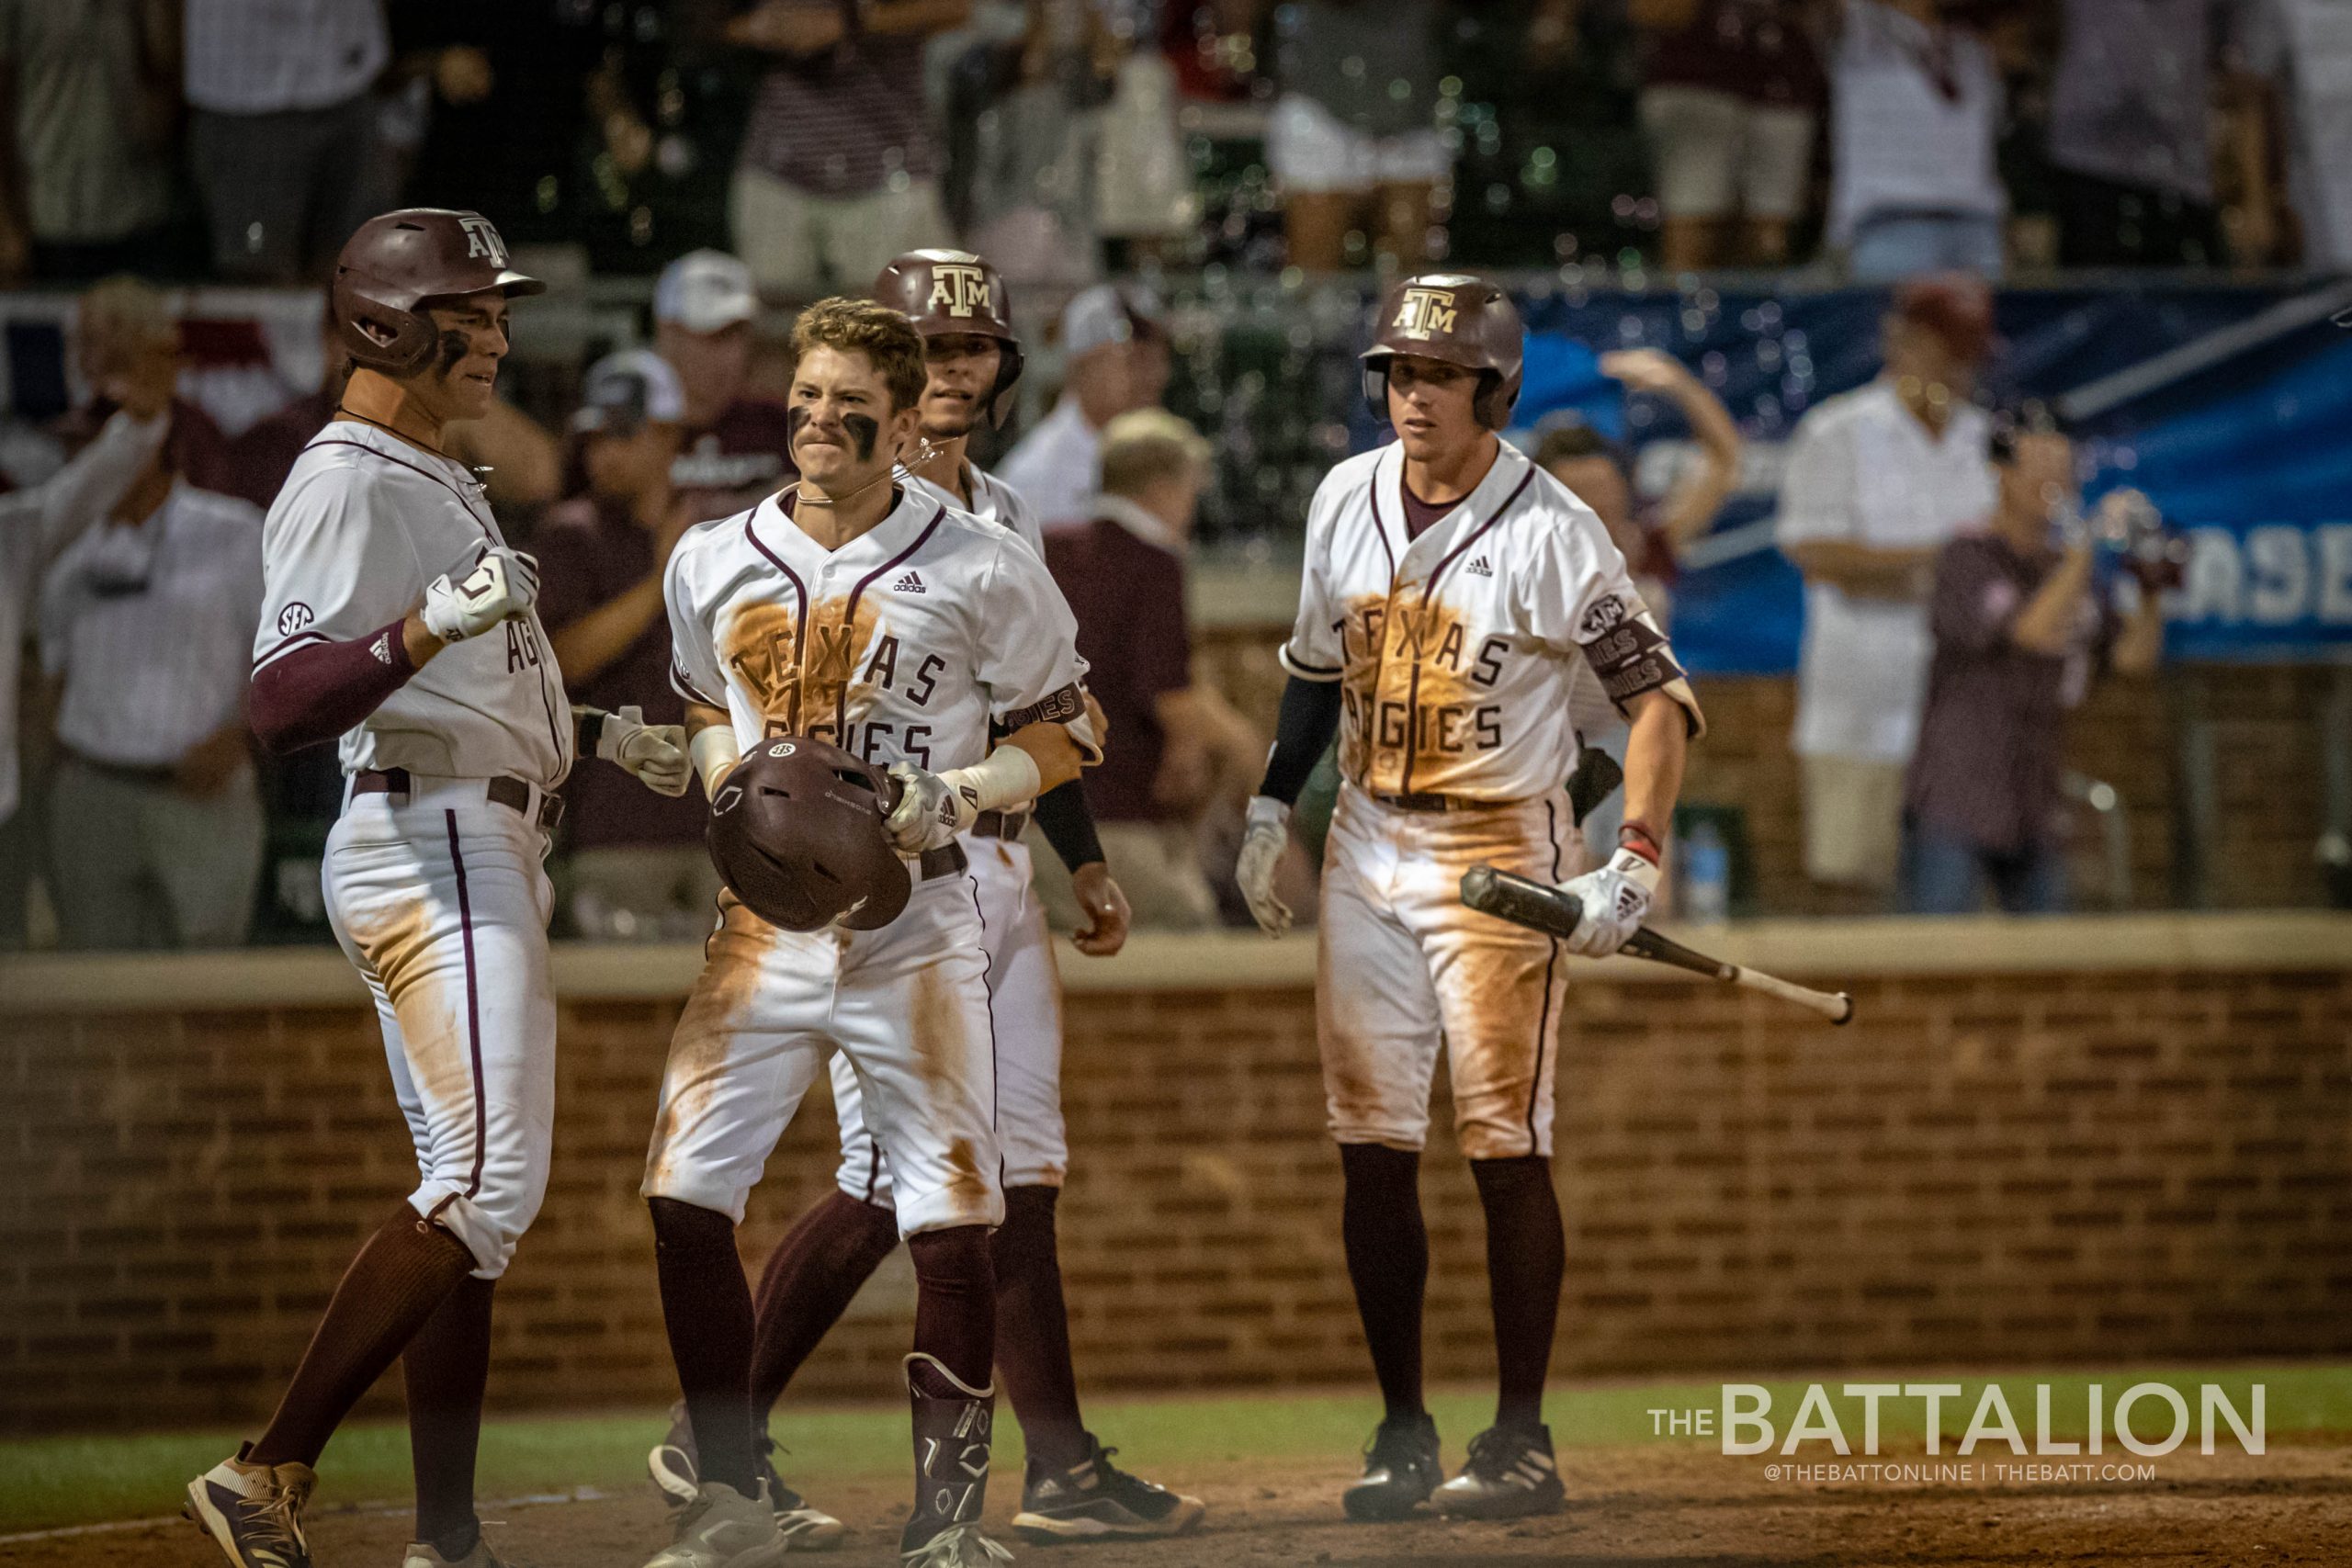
(804, 684)
(1418, 689)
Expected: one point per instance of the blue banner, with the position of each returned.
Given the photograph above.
(2241, 432)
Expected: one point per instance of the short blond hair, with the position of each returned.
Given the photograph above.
(887, 339)
(1149, 445)
(125, 314)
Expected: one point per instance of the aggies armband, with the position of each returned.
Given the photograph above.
(1629, 652)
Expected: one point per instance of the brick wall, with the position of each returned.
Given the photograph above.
(2000, 1168)
(2269, 774)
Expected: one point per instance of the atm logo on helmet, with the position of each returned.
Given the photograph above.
(960, 290)
(1427, 312)
(481, 240)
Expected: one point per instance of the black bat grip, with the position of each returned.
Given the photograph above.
(1535, 905)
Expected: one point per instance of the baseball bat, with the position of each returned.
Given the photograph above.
(1545, 909)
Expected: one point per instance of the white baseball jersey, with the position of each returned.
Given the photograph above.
(364, 523)
(992, 498)
(1455, 651)
(915, 642)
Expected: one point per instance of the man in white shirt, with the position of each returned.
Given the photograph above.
(1114, 355)
(282, 136)
(155, 819)
(1916, 109)
(1877, 479)
(2304, 47)
(35, 525)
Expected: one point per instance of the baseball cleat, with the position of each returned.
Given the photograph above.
(1510, 1475)
(253, 1512)
(672, 1466)
(423, 1554)
(957, 1546)
(1400, 1470)
(1095, 1500)
(723, 1529)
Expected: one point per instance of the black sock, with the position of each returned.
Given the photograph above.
(1526, 1258)
(1388, 1260)
(1033, 1345)
(408, 1266)
(445, 1369)
(706, 1306)
(818, 1267)
(955, 1300)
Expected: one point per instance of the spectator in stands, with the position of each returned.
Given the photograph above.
(2140, 85)
(283, 136)
(2302, 50)
(1179, 743)
(1116, 359)
(1731, 96)
(2020, 622)
(89, 102)
(520, 463)
(736, 446)
(156, 821)
(638, 868)
(1600, 471)
(1878, 479)
(35, 526)
(1916, 105)
(1354, 144)
(120, 320)
(837, 171)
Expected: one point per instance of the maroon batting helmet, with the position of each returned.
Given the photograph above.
(395, 264)
(956, 291)
(796, 831)
(1457, 319)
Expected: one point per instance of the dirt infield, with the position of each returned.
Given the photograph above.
(1655, 1507)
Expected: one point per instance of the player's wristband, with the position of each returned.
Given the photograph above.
(714, 750)
(590, 730)
(1637, 839)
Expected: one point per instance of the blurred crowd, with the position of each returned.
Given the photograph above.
(241, 140)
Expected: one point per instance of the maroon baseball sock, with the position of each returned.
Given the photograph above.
(1526, 1258)
(1033, 1348)
(1388, 1261)
(445, 1368)
(401, 1276)
(707, 1307)
(816, 1271)
(955, 1300)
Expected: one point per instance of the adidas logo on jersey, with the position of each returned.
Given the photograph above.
(1480, 567)
(911, 584)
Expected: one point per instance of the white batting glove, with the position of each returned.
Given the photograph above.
(506, 582)
(1614, 900)
(931, 811)
(1265, 834)
(653, 754)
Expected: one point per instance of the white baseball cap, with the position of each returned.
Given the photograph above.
(1109, 313)
(706, 291)
(624, 390)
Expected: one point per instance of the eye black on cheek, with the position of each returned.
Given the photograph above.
(863, 429)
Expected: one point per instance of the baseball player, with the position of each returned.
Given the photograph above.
(1451, 591)
(397, 618)
(959, 304)
(858, 610)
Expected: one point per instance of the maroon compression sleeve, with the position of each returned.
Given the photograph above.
(314, 692)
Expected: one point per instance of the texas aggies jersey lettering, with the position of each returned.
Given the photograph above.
(991, 499)
(363, 523)
(917, 641)
(1455, 651)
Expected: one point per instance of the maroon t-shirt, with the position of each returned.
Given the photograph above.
(739, 459)
(1128, 597)
(260, 460)
(591, 551)
(1756, 49)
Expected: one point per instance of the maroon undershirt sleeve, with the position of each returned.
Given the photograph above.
(314, 692)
